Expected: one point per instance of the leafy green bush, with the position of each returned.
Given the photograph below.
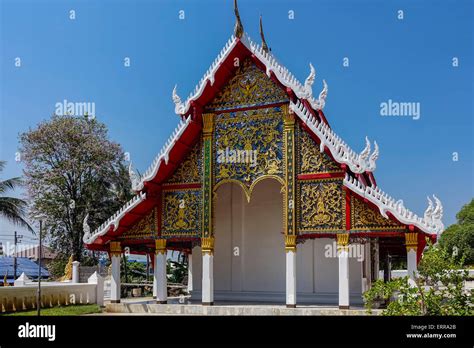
(438, 289)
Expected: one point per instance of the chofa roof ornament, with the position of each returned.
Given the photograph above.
(264, 43)
(239, 28)
(135, 178)
(85, 225)
(178, 104)
(434, 215)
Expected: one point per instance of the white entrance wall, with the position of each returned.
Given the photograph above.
(249, 253)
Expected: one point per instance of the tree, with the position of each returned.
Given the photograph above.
(438, 288)
(73, 169)
(13, 209)
(458, 239)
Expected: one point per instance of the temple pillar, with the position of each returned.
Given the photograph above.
(207, 245)
(207, 236)
(160, 271)
(289, 224)
(343, 258)
(115, 256)
(190, 272)
(411, 241)
(290, 249)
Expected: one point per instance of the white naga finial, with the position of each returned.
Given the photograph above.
(178, 104)
(85, 226)
(437, 216)
(366, 152)
(373, 157)
(134, 177)
(308, 84)
(323, 95)
(429, 211)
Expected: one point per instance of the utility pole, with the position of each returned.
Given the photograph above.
(17, 237)
(38, 297)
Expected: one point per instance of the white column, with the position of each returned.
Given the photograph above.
(160, 272)
(343, 258)
(75, 272)
(115, 253)
(376, 259)
(411, 263)
(207, 245)
(190, 272)
(290, 249)
(411, 240)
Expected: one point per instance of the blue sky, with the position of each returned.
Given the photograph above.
(407, 60)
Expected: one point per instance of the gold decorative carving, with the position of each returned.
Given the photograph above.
(207, 245)
(248, 145)
(144, 227)
(365, 218)
(160, 246)
(181, 212)
(115, 249)
(342, 241)
(411, 241)
(208, 124)
(67, 270)
(189, 171)
(321, 205)
(249, 87)
(290, 243)
(311, 160)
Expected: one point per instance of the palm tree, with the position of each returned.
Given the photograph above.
(13, 209)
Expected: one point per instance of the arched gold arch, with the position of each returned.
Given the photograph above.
(248, 190)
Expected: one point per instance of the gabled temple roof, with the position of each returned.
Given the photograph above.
(304, 105)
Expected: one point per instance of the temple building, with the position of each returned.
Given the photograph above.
(267, 201)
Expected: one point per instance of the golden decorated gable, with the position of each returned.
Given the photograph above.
(321, 206)
(249, 87)
(189, 171)
(364, 218)
(146, 227)
(310, 159)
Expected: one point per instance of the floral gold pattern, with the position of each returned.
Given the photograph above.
(257, 132)
(145, 227)
(181, 212)
(311, 160)
(411, 241)
(364, 218)
(249, 87)
(321, 205)
(115, 249)
(189, 171)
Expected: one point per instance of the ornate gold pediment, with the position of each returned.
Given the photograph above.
(249, 87)
(321, 205)
(146, 227)
(364, 218)
(181, 212)
(248, 145)
(310, 159)
(189, 171)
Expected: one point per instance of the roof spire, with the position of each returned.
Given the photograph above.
(264, 43)
(238, 29)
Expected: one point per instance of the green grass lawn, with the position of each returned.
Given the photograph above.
(58, 311)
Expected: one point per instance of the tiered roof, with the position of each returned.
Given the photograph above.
(309, 111)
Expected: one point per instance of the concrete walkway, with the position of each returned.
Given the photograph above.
(146, 306)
